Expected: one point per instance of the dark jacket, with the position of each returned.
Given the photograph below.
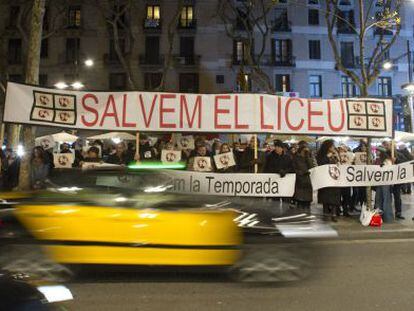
(278, 164)
(303, 185)
(146, 153)
(245, 160)
(124, 159)
(330, 195)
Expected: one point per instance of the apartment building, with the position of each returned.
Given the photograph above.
(298, 57)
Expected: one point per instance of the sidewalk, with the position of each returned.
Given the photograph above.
(351, 228)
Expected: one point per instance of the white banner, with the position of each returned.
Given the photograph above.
(361, 175)
(175, 112)
(239, 185)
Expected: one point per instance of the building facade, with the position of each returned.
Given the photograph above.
(204, 58)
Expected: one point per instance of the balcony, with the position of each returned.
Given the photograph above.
(285, 61)
(345, 29)
(187, 24)
(188, 60)
(151, 60)
(281, 25)
(350, 63)
(152, 25)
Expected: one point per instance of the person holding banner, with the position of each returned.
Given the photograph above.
(383, 193)
(246, 159)
(39, 169)
(329, 197)
(302, 163)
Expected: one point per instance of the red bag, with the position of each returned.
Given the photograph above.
(376, 220)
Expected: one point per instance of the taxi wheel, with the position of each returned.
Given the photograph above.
(270, 264)
(32, 261)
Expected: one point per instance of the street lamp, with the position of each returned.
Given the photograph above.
(387, 65)
(61, 85)
(77, 85)
(89, 62)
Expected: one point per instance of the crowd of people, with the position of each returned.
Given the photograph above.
(272, 157)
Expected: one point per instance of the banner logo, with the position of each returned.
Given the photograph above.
(334, 172)
(54, 108)
(366, 115)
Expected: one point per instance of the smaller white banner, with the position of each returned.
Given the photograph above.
(241, 185)
(63, 160)
(46, 142)
(170, 156)
(361, 175)
(224, 160)
(202, 164)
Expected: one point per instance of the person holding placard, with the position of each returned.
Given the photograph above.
(228, 167)
(120, 157)
(201, 161)
(39, 169)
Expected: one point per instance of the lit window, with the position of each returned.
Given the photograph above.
(153, 12)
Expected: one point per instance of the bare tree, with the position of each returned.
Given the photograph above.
(381, 17)
(119, 28)
(246, 21)
(171, 35)
(32, 77)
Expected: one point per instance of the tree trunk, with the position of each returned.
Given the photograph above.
(32, 77)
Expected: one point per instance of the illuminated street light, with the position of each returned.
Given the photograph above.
(387, 65)
(89, 62)
(77, 85)
(61, 85)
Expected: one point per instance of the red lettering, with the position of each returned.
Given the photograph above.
(114, 114)
(147, 121)
(279, 112)
(164, 110)
(184, 106)
(341, 126)
(218, 111)
(312, 113)
(262, 125)
(237, 125)
(290, 125)
(124, 114)
(89, 109)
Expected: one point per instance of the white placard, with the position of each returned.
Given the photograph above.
(170, 156)
(224, 160)
(46, 142)
(185, 142)
(63, 160)
(202, 164)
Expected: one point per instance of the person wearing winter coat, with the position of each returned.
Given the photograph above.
(302, 163)
(329, 197)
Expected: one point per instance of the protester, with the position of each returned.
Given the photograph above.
(10, 169)
(120, 156)
(383, 193)
(302, 163)
(329, 197)
(359, 194)
(216, 147)
(200, 151)
(247, 161)
(92, 155)
(65, 148)
(406, 154)
(146, 151)
(39, 169)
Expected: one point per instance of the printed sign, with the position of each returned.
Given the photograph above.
(218, 113)
(46, 142)
(184, 142)
(63, 160)
(170, 156)
(202, 164)
(361, 175)
(224, 160)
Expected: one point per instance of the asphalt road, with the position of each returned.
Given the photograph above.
(356, 275)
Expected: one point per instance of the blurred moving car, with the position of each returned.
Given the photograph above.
(126, 217)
